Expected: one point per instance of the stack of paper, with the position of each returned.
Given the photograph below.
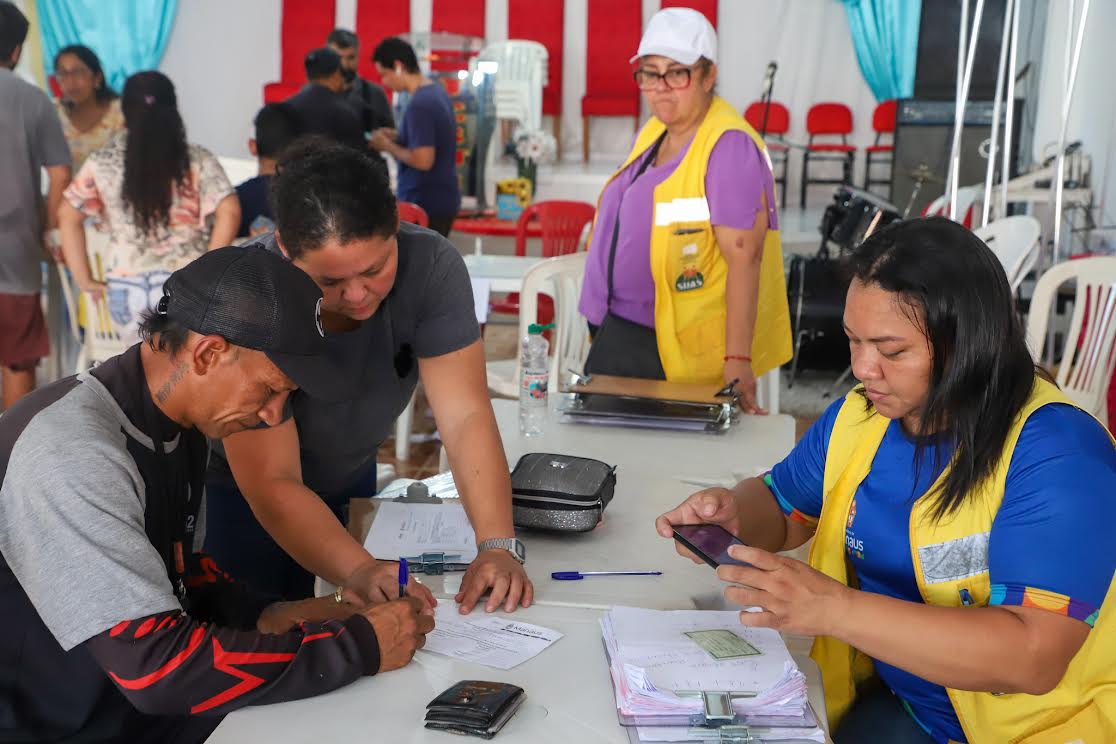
(654, 655)
(406, 530)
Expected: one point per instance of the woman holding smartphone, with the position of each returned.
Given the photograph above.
(960, 506)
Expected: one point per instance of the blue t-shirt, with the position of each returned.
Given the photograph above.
(428, 122)
(253, 204)
(1052, 537)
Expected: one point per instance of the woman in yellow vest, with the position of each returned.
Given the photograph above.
(962, 510)
(684, 278)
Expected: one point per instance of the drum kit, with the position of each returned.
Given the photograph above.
(816, 285)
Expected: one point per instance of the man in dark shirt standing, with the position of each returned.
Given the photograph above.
(426, 145)
(320, 107)
(367, 99)
(113, 628)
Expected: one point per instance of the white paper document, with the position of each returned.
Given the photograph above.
(656, 660)
(491, 640)
(405, 530)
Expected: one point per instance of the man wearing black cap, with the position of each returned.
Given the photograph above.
(320, 106)
(113, 628)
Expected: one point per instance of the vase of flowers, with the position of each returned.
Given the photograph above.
(530, 147)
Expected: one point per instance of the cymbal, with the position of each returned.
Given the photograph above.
(924, 174)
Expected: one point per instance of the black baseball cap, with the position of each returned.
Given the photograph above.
(259, 300)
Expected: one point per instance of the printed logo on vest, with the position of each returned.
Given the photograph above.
(853, 546)
(689, 279)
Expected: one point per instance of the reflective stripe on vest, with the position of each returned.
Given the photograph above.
(689, 272)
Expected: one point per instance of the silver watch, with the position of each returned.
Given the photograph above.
(513, 545)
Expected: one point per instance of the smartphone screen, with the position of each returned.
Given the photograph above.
(710, 542)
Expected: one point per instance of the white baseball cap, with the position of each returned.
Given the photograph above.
(682, 34)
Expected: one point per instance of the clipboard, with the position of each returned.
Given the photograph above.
(649, 404)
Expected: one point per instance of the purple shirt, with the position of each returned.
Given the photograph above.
(736, 178)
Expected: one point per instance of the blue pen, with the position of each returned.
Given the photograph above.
(579, 575)
(402, 578)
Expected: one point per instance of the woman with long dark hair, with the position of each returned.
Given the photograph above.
(163, 201)
(961, 509)
(88, 108)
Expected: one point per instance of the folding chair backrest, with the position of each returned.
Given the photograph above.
(559, 277)
(413, 213)
(1015, 242)
(778, 117)
(562, 223)
(1085, 369)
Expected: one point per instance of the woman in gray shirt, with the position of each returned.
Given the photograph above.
(397, 308)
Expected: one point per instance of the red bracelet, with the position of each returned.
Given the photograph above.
(738, 358)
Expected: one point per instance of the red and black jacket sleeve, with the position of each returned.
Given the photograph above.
(213, 661)
(172, 664)
(215, 597)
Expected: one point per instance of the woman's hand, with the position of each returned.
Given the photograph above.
(794, 597)
(378, 581)
(741, 371)
(499, 571)
(711, 506)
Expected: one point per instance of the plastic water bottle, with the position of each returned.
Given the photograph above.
(534, 380)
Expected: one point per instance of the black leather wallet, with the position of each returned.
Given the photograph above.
(474, 708)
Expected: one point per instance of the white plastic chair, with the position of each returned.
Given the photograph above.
(968, 197)
(519, 78)
(100, 340)
(1015, 241)
(560, 277)
(1085, 368)
(238, 170)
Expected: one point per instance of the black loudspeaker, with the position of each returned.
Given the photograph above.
(923, 136)
(936, 66)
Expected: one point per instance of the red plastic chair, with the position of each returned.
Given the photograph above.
(828, 120)
(883, 122)
(612, 34)
(778, 124)
(562, 223)
(413, 213)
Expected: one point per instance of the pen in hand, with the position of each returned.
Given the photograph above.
(402, 578)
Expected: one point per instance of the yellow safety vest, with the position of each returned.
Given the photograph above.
(689, 271)
(1081, 708)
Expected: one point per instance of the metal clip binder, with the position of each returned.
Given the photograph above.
(716, 706)
(436, 564)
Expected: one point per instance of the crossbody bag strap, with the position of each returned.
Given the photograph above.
(616, 225)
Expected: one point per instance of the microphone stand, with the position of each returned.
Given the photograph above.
(765, 99)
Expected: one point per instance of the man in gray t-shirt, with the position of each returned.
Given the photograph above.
(30, 139)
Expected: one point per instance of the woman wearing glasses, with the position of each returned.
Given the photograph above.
(684, 279)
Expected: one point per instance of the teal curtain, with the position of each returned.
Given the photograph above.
(127, 35)
(885, 35)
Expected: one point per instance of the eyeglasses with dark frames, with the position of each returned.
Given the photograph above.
(676, 78)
